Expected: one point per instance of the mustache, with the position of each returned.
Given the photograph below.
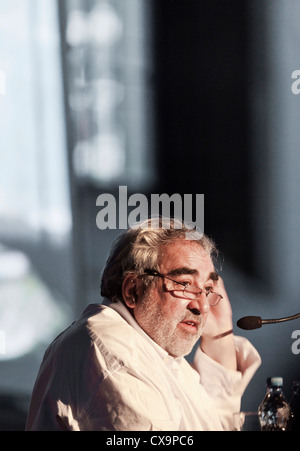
(197, 319)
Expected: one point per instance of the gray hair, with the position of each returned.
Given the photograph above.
(139, 248)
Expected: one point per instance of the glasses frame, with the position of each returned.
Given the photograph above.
(149, 272)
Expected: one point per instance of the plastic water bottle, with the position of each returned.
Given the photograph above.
(274, 412)
(295, 407)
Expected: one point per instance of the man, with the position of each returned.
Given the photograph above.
(121, 366)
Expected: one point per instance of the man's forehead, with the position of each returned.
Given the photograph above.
(185, 249)
(186, 257)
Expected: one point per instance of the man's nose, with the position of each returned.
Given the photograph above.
(200, 305)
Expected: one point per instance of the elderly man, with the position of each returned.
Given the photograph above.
(121, 365)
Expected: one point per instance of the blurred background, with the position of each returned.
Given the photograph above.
(162, 97)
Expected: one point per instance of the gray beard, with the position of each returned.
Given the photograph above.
(165, 333)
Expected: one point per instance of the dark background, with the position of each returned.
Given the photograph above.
(202, 114)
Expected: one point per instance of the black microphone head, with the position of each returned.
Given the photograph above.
(249, 322)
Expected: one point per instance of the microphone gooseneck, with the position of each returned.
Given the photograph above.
(255, 322)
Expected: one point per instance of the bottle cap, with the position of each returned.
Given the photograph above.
(275, 381)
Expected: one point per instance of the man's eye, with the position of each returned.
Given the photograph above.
(185, 283)
(208, 289)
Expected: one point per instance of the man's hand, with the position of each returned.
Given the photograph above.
(217, 337)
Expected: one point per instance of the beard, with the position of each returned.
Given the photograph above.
(165, 331)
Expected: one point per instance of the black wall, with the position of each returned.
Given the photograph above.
(201, 51)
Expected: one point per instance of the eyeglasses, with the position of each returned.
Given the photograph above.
(186, 290)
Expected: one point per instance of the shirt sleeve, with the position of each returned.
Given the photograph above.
(226, 386)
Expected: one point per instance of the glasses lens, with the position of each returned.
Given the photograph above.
(213, 298)
(191, 292)
(194, 293)
(172, 285)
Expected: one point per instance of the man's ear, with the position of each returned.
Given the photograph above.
(129, 290)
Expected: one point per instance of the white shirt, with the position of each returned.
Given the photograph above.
(105, 373)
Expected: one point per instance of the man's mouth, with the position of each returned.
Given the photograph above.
(190, 325)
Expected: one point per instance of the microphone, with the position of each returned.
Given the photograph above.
(255, 322)
(249, 322)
